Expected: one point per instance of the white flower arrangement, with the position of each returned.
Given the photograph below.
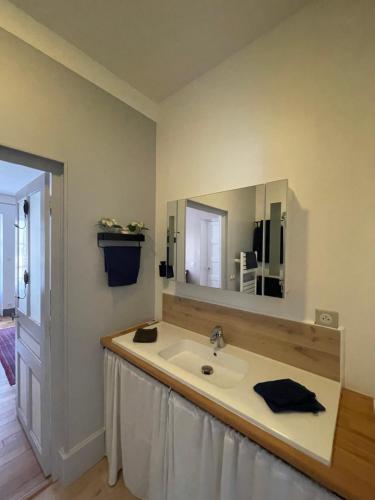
(111, 225)
(136, 227)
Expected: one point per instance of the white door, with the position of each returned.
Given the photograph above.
(33, 316)
(211, 253)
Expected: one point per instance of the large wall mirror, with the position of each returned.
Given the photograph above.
(232, 240)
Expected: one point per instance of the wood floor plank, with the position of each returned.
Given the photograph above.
(13, 447)
(9, 429)
(29, 489)
(91, 485)
(8, 416)
(10, 477)
(6, 322)
(38, 484)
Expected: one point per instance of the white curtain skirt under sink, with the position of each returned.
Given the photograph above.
(168, 449)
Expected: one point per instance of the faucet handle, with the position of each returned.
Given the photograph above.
(217, 337)
(217, 331)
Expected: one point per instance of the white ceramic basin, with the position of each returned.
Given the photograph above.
(228, 370)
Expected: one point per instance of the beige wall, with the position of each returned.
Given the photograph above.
(299, 103)
(109, 150)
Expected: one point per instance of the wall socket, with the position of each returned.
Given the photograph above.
(327, 318)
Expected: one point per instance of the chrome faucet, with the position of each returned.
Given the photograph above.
(217, 337)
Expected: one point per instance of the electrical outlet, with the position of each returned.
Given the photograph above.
(327, 318)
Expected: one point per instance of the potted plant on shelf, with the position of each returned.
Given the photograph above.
(110, 225)
(136, 227)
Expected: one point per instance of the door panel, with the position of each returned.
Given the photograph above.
(214, 253)
(33, 312)
(29, 341)
(22, 389)
(36, 423)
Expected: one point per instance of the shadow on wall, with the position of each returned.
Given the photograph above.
(297, 255)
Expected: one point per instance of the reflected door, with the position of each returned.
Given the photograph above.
(33, 313)
(211, 253)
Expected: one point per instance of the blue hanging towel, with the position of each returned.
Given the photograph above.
(122, 264)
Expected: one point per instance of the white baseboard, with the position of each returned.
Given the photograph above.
(81, 457)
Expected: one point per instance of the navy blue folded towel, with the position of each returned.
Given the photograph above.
(122, 264)
(144, 335)
(286, 395)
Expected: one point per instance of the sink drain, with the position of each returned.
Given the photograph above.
(207, 370)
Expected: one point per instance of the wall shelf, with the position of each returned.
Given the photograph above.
(120, 237)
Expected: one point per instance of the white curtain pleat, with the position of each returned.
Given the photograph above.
(237, 469)
(209, 461)
(171, 450)
(195, 447)
(144, 413)
(112, 414)
(250, 472)
(136, 442)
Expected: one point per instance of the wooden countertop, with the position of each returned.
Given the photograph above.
(352, 472)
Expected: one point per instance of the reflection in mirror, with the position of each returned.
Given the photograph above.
(233, 240)
(171, 239)
(275, 232)
(219, 239)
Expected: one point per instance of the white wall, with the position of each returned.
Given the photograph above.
(299, 103)
(8, 211)
(109, 152)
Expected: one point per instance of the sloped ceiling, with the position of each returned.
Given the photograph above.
(158, 46)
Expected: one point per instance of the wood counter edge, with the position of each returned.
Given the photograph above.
(338, 479)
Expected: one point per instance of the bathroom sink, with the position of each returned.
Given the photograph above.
(217, 367)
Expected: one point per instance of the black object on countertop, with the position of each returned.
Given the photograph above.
(122, 264)
(145, 335)
(286, 395)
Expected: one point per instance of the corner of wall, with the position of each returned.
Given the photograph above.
(81, 457)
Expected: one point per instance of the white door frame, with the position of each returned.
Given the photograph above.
(56, 361)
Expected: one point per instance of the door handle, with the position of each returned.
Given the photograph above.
(26, 280)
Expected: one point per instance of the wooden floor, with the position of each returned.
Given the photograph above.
(93, 484)
(20, 474)
(6, 322)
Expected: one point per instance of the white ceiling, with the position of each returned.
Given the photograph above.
(14, 177)
(158, 46)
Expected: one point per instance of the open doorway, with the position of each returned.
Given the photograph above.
(25, 326)
(205, 245)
